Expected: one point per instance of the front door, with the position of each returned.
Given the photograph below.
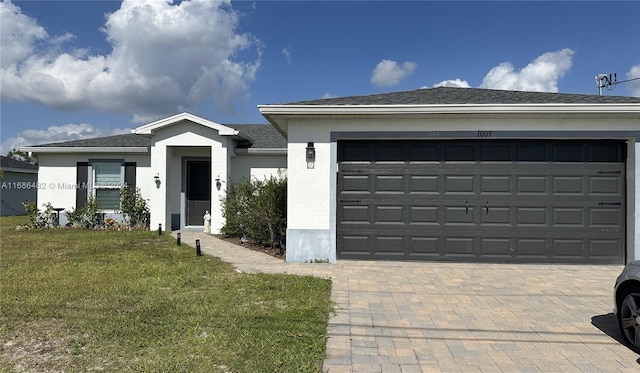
(198, 193)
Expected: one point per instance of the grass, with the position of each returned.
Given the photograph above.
(78, 301)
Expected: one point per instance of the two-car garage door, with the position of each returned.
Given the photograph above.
(547, 201)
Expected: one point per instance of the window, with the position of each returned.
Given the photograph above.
(108, 178)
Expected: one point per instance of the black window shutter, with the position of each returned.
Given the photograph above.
(82, 177)
(130, 174)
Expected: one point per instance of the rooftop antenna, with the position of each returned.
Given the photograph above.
(606, 81)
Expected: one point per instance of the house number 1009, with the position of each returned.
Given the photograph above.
(484, 133)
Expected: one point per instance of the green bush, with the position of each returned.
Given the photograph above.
(87, 216)
(134, 208)
(37, 218)
(256, 209)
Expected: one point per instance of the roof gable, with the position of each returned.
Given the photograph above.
(149, 128)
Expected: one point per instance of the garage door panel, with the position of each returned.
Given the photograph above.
(355, 246)
(389, 215)
(459, 216)
(567, 248)
(423, 184)
(355, 183)
(605, 185)
(495, 185)
(459, 246)
(424, 246)
(568, 217)
(532, 247)
(355, 215)
(459, 152)
(531, 185)
(389, 184)
(567, 185)
(388, 245)
(496, 247)
(527, 201)
(424, 215)
(497, 216)
(604, 250)
(459, 184)
(531, 217)
(607, 218)
(496, 152)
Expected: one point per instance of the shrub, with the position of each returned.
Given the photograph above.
(134, 208)
(87, 216)
(37, 218)
(256, 209)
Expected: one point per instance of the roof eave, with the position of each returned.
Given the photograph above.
(84, 149)
(547, 108)
(20, 170)
(262, 151)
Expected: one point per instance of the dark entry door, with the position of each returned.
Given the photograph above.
(198, 192)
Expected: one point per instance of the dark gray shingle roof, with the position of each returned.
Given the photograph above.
(261, 135)
(116, 141)
(16, 164)
(459, 96)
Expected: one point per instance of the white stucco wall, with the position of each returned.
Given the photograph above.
(169, 145)
(257, 166)
(57, 176)
(312, 192)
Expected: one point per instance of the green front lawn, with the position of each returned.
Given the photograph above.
(78, 301)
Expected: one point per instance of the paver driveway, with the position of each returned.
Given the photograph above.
(451, 317)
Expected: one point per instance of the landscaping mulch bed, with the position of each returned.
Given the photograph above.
(274, 252)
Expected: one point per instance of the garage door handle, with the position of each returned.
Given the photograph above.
(466, 208)
(487, 207)
(610, 203)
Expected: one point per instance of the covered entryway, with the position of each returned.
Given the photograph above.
(547, 201)
(198, 190)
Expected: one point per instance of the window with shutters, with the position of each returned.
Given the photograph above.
(108, 179)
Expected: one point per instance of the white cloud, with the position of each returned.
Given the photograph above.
(541, 75)
(18, 35)
(165, 57)
(458, 83)
(66, 132)
(328, 95)
(388, 73)
(633, 86)
(287, 54)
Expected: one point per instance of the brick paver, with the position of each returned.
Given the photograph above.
(459, 317)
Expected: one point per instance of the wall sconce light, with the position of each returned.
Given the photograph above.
(311, 155)
(218, 182)
(156, 179)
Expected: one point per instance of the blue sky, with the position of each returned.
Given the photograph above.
(79, 69)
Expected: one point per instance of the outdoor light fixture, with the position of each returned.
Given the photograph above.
(311, 155)
(218, 182)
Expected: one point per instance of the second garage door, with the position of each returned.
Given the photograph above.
(494, 200)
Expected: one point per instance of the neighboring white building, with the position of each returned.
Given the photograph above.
(182, 164)
(457, 174)
(18, 182)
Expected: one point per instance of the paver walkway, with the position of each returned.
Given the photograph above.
(453, 317)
